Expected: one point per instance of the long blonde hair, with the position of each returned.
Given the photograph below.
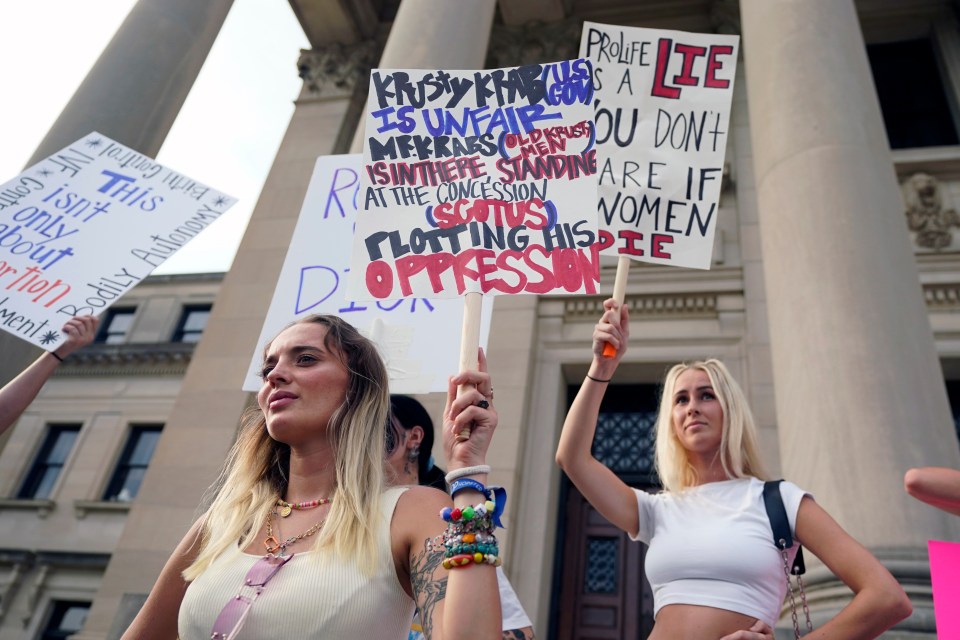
(257, 467)
(739, 446)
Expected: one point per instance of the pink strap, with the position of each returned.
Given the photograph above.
(234, 613)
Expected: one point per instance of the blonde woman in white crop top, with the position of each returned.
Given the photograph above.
(305, 481)
(714, 570)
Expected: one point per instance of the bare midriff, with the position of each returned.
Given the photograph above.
(693, 622)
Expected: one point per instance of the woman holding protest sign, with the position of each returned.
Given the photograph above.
(409, 443)
(345, 557)
(712, 562)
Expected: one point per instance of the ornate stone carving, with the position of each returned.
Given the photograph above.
(926, 213)
(335, 69)
(534, 43)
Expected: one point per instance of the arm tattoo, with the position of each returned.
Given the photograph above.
(519, 634)
(427, 589)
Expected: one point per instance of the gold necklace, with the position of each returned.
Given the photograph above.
(274, 546)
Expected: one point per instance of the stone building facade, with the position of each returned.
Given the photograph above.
(835, 257)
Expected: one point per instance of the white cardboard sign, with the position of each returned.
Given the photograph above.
(662, 118)
(81, 227)
(417, 337)
(478, 181)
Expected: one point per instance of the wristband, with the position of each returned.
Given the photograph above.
(54, 354)
(462, 484)
(599, 379)
(466, 471)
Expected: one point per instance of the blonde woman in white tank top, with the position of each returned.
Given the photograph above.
(305, 482)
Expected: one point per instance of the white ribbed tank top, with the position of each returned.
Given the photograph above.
(313, 597)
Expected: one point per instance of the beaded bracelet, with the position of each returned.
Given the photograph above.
(469, 535)
(462, 560)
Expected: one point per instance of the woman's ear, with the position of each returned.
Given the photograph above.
(414, 436)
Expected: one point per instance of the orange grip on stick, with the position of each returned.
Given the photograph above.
(619, 293)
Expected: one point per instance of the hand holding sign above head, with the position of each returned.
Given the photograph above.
(17, 395)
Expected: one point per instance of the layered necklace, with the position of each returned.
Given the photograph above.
(287, 507)
(279, 549)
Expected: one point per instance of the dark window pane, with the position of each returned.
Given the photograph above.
(115, 326)
(66, 618)
(912, 96)
(953, 394)
(49, 462)
(143, 449)
(192, 323)
(601, 566)
(133, 463)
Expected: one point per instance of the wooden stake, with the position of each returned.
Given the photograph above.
(469, 342)
(619, 293)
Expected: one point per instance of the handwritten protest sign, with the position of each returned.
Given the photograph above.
(80, 228)
(313, 280)
(663, 108)
(945, 579)
(478, 182)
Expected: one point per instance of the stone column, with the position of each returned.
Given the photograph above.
(859, 392)
(132, 94)
(135, 90)
(436, 34)
(204, 419)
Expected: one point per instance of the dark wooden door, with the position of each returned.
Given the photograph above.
(604, 593)
(600, 588)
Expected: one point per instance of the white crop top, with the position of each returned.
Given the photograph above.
(712, 545)
(314, 596)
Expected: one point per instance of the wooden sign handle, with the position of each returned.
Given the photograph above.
(619, 293)
(469, 343)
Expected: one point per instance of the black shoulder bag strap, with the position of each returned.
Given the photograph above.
(777, 513)
(783, 540)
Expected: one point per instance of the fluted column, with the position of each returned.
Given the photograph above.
(859, 392)
(132, 94)
(136, 88)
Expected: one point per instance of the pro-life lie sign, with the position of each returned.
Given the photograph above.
(81, 227)
(478, 182)
(662, 118)
(313, 280)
